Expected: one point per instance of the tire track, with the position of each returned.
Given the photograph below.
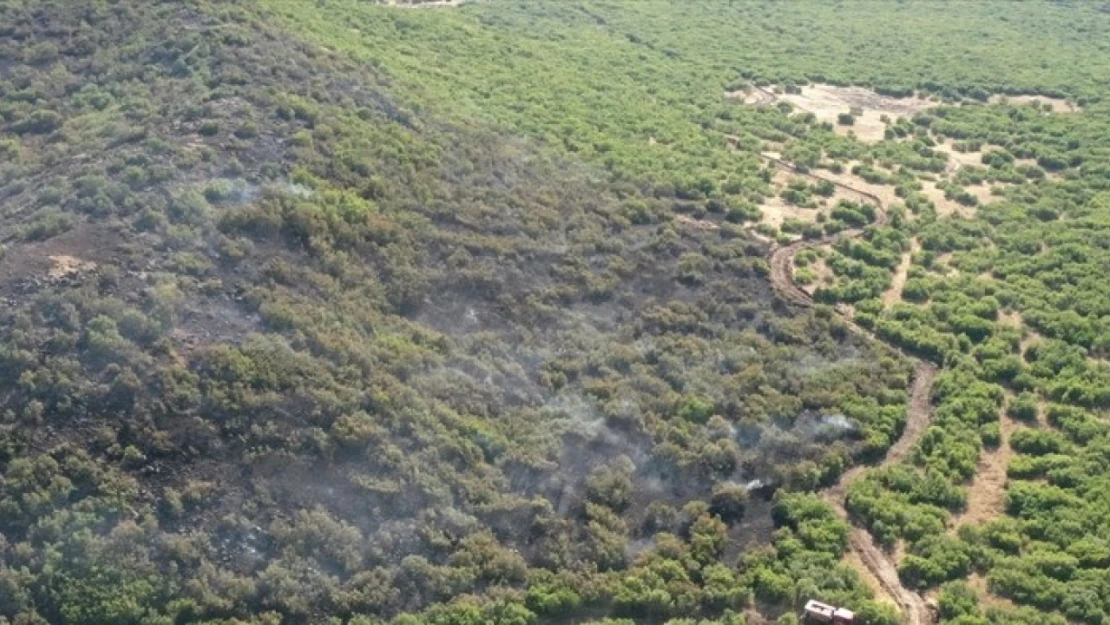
(781, 260)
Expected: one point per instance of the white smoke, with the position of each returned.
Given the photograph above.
(837, 422)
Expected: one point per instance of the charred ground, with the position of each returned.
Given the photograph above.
(314, 352)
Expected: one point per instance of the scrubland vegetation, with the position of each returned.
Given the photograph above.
(332, 312)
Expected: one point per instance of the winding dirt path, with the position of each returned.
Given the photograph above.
(878, 564)
(901, 274)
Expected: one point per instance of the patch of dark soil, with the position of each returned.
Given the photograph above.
(214, 319)
(29, 266)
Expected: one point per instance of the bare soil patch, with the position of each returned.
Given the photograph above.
(1029, 339)
(987, 493)
(945, 207)
(64, 266)
(894, 293)
(885, 193)
(1010, 317)
(899, 552)
(823, 275)
(957, 159)
(942, 265)
(750, 96)
(1028, 335)
(687, 221)
(849, 187)
(70, 255)
(984, 192)
(827, 102)
(1057, 105)
(776, 211)
(853, 559)
(978, 583)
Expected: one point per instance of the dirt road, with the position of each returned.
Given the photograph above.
(917, 419)
(878, 563)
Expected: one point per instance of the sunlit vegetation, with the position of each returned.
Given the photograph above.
(320, 311)
(1037, 251)
(318, 354)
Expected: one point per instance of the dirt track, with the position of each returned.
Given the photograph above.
(878, 563)
(917, 419)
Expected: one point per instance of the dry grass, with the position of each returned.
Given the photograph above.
(1058, 105)
(894, 293)
(978, 583)
(945, 207)
(957, 159)
(64, 266)
(695, 224)
(987, 493)
(881, 191)
(826, 102)
(822, 272)
(749, 96)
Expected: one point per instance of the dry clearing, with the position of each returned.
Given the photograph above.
(958, 159)
(751, 96)
(987, 494)
(885, 193)
(826, 102)
(823, 274)
(1057, 105)
(894, 293)
(849, 187)
(946, 207)
(63, 266)
(978, 583)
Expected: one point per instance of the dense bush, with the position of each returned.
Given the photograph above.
(391, 318)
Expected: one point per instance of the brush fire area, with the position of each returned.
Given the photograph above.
(552, 313)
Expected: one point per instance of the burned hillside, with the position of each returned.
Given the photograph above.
(276, 341)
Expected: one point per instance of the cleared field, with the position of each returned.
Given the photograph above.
(828, 102)
(894, 294)
(1055, 105)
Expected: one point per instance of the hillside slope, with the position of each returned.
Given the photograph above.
(278, 345)
(547, 312)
